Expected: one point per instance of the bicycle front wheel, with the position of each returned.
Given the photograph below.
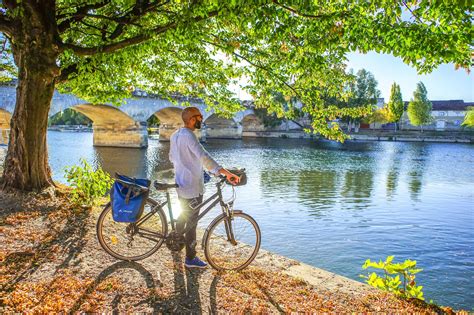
(133, 241)
(231, 243)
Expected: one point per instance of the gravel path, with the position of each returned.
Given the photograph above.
(51, 261)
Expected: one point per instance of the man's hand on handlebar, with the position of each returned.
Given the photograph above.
(232, 178)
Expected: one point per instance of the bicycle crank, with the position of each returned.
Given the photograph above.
(175, 242)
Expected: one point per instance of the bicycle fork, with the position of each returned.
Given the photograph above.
(229, 231)
(228, 227)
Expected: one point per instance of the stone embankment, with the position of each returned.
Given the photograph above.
(415, 136)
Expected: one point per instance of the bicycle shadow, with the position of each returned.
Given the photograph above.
(184, 299)
(186, 287)
(150, 283)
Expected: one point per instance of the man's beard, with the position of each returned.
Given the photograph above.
(197, 124)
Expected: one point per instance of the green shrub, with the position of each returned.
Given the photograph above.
(88, 185)
(398, 278)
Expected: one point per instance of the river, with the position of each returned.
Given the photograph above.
(334, 205)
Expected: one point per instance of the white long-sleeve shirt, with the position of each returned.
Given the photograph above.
(189, 157)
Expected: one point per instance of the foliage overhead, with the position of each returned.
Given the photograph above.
(419, 108)
(108, 48)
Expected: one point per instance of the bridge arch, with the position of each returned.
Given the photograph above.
(112, 127)
(170, 121)
(220, 127)
(251, 123)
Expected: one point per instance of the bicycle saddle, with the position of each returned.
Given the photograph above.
(164, 186)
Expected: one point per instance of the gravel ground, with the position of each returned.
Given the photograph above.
(51, 261)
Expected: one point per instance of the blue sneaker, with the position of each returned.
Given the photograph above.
(194, 263)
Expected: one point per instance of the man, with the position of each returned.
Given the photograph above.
(189, 157)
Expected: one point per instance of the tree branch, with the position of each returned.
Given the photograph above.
(89, 51)
(411, 11)
(139, 10)
(257, 66)
(310, 16)
(66, 72)
(6, 26)
(10, 4)
(108, 48)
(80, 14)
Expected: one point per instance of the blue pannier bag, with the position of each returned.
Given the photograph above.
(127, 197)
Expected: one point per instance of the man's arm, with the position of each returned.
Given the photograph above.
(209, 163)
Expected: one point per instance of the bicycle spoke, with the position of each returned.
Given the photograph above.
(224, 253)
(132, 241)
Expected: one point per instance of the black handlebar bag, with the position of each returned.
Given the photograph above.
(128, 198)
(240, 172)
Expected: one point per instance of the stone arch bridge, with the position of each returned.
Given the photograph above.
(126, 126)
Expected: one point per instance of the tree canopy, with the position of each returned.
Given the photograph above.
(102, 50)
(202, 48)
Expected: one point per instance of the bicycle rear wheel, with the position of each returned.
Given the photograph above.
(133, 241)
(222, 252)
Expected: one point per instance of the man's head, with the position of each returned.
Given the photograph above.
(192, 118)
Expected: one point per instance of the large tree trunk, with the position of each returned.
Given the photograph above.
(26, 164)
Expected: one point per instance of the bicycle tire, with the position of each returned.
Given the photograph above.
(111, 233)
(244, 251)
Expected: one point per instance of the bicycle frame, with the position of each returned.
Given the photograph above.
(213, 200)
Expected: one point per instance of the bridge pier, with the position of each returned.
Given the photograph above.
(115, 135)
(223, 128)
(224, 132)
(166, 130)
(5, 118)
(4, 135)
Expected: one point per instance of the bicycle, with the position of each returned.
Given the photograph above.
(233, 232)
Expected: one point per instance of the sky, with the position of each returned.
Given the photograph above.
(444, 83)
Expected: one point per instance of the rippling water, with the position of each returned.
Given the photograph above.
(332, 205)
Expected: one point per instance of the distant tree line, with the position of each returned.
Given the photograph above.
(363, 92)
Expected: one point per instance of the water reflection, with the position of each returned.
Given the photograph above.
(357, 188)
(159, 165)
(128, 161)
(318, 190)
(418, 161)
(278, 183)
(393, 173)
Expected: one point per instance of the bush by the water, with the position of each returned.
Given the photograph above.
(88, 185)
(398, 278)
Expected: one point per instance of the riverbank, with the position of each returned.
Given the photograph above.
(52, 262)
(414, 136)
(72, 128)
(376, 135)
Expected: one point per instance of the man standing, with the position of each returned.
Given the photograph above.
(189, 159)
